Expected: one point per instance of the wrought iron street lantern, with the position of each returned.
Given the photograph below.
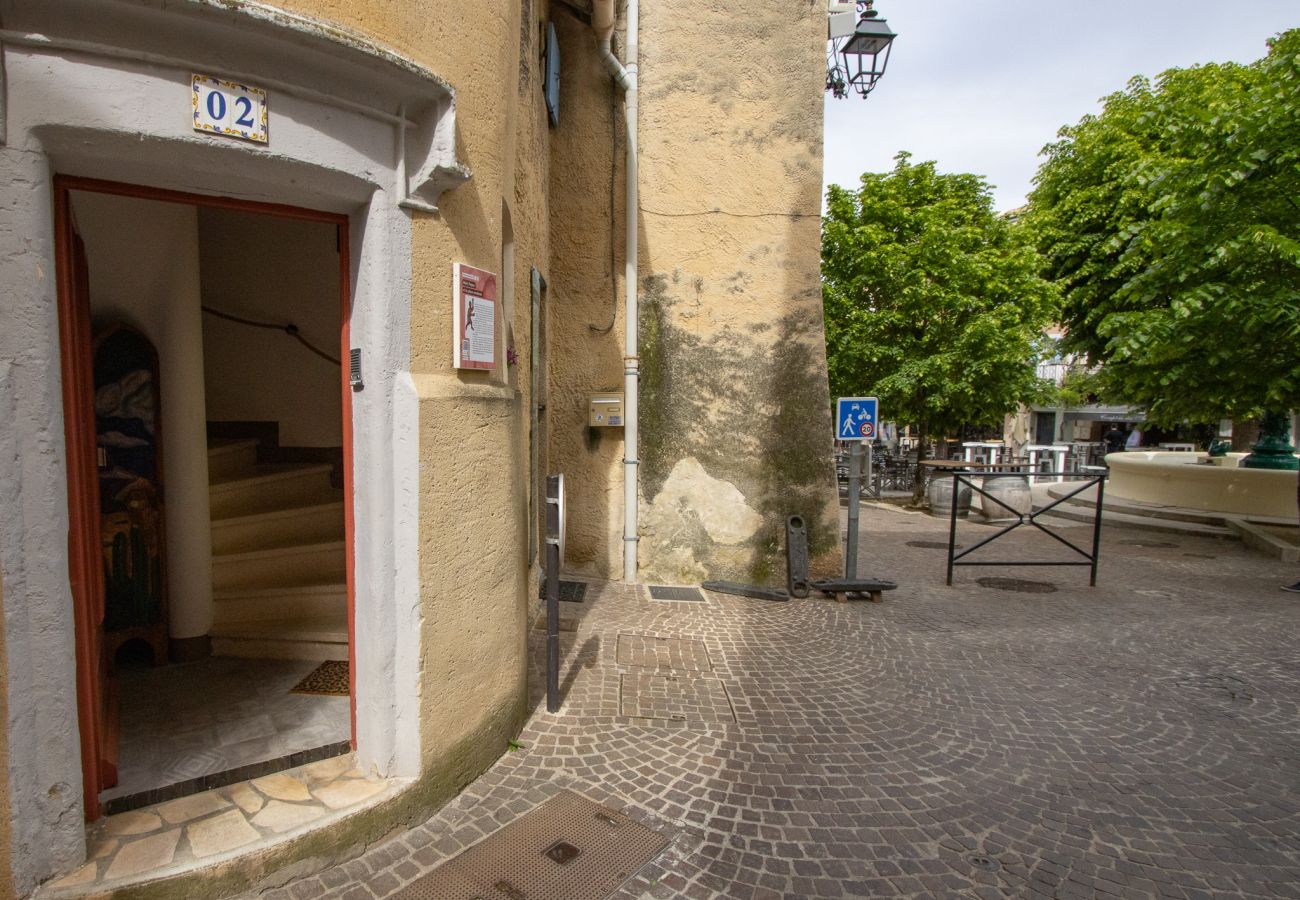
(856, 61)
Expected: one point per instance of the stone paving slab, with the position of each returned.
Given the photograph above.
(132, 848)
(684, 698)
(1137, 739)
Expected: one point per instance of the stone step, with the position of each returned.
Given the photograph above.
(1117, 506)
(316, 637)
(279, 603)
(1073, 514)
(231, 458)
(280, 528)
(280, 566)
(273, 488)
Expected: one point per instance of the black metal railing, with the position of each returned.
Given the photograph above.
(1022, 519)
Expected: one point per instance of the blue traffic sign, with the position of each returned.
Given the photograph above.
(855, 418)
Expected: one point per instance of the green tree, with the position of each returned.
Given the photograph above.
(933, 302)
(1170, 222)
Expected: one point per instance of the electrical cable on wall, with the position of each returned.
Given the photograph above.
(723, 212)
(289, 329)
(613, 208)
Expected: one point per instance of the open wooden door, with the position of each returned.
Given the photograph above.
(85, 565)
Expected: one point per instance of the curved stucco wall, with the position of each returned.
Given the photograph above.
(471, 427)
(441, 487)
(1179, 479)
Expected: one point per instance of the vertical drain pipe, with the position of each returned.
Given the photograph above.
(603, 16)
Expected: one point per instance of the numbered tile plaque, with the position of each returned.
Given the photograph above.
(229, 109)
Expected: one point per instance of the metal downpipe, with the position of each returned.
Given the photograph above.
(603, 19)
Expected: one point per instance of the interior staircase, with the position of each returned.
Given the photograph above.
(278, 550)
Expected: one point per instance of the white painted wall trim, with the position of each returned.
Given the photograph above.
(119, 119)
(273, 49)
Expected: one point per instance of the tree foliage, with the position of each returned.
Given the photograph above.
(1170, 222)
(933, 303)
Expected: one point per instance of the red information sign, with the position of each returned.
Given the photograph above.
(474, 339)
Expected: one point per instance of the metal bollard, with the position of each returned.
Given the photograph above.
(796, 557)
(554, 529)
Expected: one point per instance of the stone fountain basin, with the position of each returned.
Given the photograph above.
(1183, 479)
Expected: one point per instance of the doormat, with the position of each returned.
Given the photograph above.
(330, 677)
(567, 849)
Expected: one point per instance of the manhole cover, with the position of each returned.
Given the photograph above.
(932, 545)
(568, 847)
(651, 652)
(1150, 545)
(664, 592)
(679, 698)
(985, 863)
(1019, 585)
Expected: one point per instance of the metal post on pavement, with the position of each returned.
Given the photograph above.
(855, 495)
(868, 470)
(554, 499)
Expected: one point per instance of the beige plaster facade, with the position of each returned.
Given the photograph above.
(735, 421)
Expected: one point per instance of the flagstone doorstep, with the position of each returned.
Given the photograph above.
(181, 835)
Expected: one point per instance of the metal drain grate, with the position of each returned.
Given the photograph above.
(567, 849)
(664, 592)
(1201, 555)
(933, 545)
(1019, 585)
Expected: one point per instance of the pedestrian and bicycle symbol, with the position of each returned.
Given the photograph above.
(855, 418)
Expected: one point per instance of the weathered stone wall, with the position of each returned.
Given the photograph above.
(735, 420)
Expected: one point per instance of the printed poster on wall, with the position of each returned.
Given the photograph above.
(474, 321)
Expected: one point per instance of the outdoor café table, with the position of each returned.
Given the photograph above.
(986, 451)
(930, 466)
(1180, 448)
(1040, 453)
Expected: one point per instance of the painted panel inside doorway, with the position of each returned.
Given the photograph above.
(128, 439)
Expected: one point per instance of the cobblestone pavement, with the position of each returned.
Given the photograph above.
(1138, 739)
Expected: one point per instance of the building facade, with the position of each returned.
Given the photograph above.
(296, 299)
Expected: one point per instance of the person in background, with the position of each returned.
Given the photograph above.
(1134, 439)
(1113, 439)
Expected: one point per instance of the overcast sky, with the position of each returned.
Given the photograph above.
(981, 87)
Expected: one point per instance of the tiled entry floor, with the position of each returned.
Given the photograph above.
(183, 721)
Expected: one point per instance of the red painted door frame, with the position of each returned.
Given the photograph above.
(85, 567)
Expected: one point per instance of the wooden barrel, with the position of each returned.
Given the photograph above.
(941, 497)
(1012, 490)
